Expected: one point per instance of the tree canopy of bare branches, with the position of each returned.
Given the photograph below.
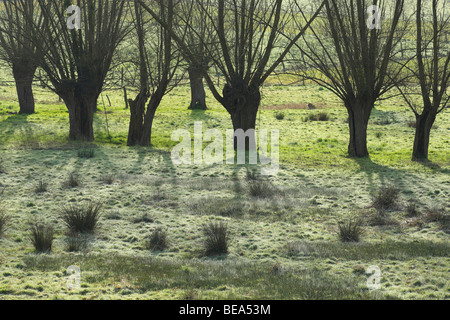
(246, 32)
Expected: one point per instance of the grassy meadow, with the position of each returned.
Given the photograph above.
(283, 229)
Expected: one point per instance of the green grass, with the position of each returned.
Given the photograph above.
(143, 276)
(294, 225)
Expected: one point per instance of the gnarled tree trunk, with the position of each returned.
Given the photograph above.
(198, 95)
(137, 109)
(424, 123)
(141, 120)
(82, 106)
(154, 103)
(358, 120)
(23, 77)
(242, 104)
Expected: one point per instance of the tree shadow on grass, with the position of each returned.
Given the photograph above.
(163, 159)
(433, 166)
(18, 131)
(12, 126)
(380, 175)
(386, 175)
(381, 117)
(200, 115)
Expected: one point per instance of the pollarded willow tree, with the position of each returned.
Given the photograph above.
(428, 94)
(246, 34)
(355, 58)
(77, 61)
(18, 48)
(157, 64)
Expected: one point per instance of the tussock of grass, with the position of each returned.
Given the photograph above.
(386, 198)
(41, 236)
(157, 240)
(277, 268)
(350, 230)
(321, 116)
(260, 189)
(82, 218)
(412, 209)
(73, 181)
(279, 115)
(216, 238)
(41, 187)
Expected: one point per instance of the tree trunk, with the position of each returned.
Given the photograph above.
(125, 97)
(198, 95)
(146, 139)
(358, 119)
(137, 109)
(23, 77)
(424, 123)
(81, 106)
(245, 117)
(242, 105)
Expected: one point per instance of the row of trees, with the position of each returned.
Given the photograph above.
(362, 65)
(246, 40)
(76, 62)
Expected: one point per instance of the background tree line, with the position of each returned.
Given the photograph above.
(245, 41)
